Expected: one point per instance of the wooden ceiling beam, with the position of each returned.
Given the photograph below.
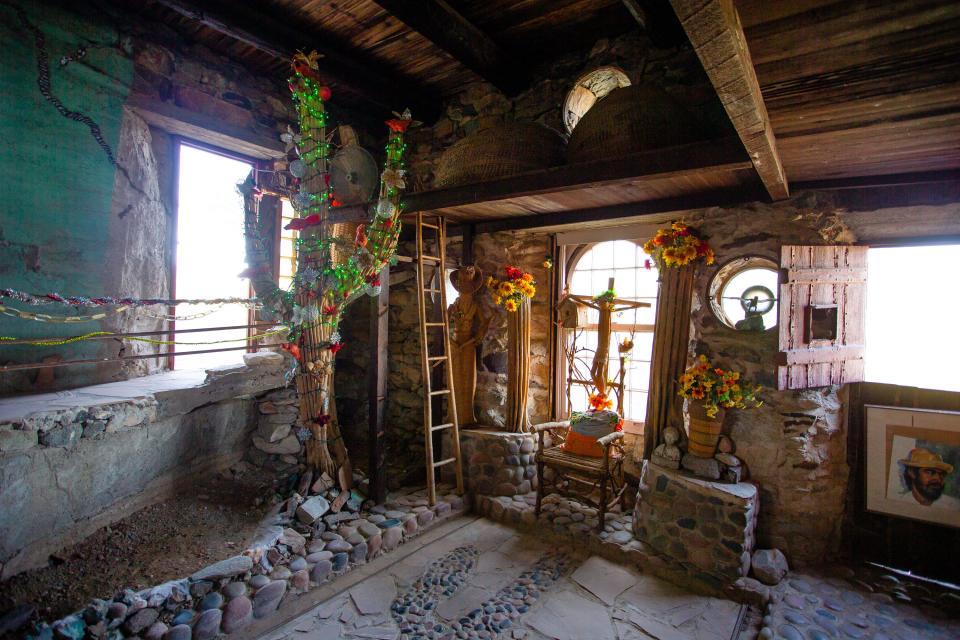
(271, 35)
(714, 29)
(441, 24)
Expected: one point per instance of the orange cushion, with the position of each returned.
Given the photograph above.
(581, 445)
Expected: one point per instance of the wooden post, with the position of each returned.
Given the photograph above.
(377, 379)
(669, 359)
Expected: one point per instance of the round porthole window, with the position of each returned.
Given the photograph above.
(743, 294)
(589, 89)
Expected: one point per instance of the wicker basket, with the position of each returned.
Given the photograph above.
(500, 150)
(630, 120)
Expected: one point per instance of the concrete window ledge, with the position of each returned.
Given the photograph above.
(72, 462)
(61, 419)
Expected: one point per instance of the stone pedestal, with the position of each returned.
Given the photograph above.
(708, 527)
(497, 463)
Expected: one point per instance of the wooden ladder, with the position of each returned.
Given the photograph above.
(425, 285)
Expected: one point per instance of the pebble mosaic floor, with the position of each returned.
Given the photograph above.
(487, 580)
(847, 607)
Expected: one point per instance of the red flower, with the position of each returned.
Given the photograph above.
(292, 348)
(398, 125)
(647, 264)
(335, 203)
(299, 224)
(330, 310)
(336, 347)
(513, 273)
(325, 93)
(323, 419)
(373, 280)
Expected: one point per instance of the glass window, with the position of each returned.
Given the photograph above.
(623, 261)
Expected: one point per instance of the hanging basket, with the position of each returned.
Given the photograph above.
(497, 151)
(704, 431)
(630, 120)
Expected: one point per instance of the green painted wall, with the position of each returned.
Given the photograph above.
(56, 183)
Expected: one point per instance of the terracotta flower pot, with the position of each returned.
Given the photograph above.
(704, 430)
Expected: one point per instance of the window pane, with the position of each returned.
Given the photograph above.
(623, 261)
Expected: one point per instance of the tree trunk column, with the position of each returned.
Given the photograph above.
(518, 367)
(670, 343)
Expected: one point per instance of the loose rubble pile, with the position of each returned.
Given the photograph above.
(306, 540)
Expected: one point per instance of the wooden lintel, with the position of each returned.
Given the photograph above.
(281, 39)
(619, 213)
(659, 163)
(714, 29)
(442, 25)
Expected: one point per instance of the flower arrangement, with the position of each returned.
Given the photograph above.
(717, 388)
(677, 246)
(511, 291)
(599, 402)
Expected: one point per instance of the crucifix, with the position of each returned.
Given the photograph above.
(606, 306)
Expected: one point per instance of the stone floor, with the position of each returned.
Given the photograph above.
(854, 606)
(487, 580)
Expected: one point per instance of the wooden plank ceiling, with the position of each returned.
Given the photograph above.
(851, 88)
(858, 88)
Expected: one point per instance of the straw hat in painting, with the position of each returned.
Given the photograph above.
(926, 459)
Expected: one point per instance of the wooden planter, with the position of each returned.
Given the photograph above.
(704, 431)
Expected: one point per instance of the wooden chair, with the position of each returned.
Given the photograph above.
(571, 471)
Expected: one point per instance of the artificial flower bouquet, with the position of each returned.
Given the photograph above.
(677, 246)
(512, 290)
(717, 388)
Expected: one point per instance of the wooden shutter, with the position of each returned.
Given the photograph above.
(823, 294)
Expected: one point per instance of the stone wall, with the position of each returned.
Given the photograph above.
(71, 464)
(795, 444)
(678, 71)
(703, 526)
(496, 463)
(140, 82)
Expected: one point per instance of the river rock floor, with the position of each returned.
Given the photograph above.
(486, 580)
(170, 539)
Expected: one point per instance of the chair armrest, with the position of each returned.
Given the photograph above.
(610, 438)
(550, 426)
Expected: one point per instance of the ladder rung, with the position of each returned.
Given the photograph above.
(437, 358)
(434, 324)
(431, 290)
(434, 258)
(443, 462)
(428, 225)
(441, 426)
(440, 392)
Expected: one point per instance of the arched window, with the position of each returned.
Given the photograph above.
(590, 270)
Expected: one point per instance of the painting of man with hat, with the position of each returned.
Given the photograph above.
(923, 475)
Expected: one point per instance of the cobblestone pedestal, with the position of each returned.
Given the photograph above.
(708, 527)
(497, 463)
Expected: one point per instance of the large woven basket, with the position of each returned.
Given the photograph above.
(630, 120)
(500, 150)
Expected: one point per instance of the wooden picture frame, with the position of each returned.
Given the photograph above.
(913, 463)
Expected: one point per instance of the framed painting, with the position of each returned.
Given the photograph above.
(913, 463)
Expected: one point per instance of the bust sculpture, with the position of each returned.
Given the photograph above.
(667, 454)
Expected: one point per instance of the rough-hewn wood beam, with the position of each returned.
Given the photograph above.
(281, 39)
(441, 24)
(714, 29)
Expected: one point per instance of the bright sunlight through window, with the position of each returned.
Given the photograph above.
(912, 311)
(210, 254)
